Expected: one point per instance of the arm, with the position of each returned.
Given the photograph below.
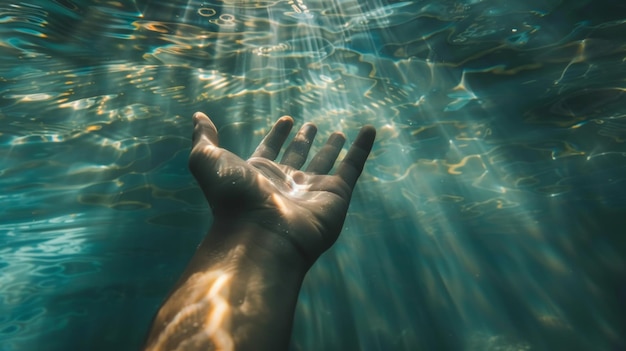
(272, 221)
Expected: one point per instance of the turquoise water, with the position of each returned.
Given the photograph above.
(489, 216)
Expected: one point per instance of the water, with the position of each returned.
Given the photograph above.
(489, 216)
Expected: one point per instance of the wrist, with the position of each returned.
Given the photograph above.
(249, 243)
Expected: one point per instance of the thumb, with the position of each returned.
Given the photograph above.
(204, 130)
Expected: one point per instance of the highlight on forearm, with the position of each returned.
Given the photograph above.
(204, 319)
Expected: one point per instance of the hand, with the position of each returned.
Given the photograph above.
(307, 208)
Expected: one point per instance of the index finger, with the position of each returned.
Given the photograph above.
(351, 166)
(272, 143)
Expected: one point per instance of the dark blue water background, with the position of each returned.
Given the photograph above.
(489, 217)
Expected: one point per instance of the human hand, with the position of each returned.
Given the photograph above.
(307, 208)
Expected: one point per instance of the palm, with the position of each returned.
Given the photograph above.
(308, 207)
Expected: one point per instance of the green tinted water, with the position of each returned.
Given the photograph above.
(489, 217)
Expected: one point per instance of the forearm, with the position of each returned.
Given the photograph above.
(235, 294)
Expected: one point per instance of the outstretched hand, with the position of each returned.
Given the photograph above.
(306, 208)
(271, 222)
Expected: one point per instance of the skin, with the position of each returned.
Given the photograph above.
(272, 221)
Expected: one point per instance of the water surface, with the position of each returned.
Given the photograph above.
(489, 216)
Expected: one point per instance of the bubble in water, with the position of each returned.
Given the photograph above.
(206, 12)
(225, 20)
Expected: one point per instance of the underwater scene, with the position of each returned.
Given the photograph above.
(489, 216)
